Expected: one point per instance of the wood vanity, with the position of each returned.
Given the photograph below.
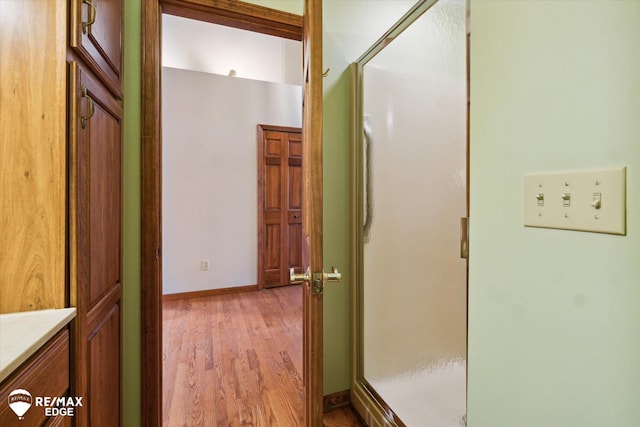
(35, 356)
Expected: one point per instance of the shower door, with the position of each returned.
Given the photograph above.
(411, 186)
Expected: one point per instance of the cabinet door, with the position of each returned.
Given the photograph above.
(96, 245)
(104, 349)
(96, 36)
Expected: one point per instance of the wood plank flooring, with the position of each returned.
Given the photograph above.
(236, 360)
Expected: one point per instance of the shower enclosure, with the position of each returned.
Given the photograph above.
(409, 217)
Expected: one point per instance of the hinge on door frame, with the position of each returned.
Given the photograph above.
(464, 237)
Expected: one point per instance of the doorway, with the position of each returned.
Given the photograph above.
(210, 182)
(230, 13)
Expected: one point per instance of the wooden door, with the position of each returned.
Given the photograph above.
(279, 204)
(96, 248)
(96, 36)
(312, 208)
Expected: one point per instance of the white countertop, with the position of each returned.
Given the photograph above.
(22, 334)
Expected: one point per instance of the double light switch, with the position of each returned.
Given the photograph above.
(589, 200)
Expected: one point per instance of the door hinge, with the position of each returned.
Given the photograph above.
(464, 237)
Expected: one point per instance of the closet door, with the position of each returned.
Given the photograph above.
(279, 204)
(96, 242)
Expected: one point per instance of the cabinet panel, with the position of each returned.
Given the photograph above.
(104, 355)
(32, 155)
(99, 187)
(59, 422)
(45, 374)
(96, 246)
(96, 36)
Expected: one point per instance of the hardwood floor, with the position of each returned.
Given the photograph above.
(236, 360)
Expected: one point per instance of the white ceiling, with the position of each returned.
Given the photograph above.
(201, 46)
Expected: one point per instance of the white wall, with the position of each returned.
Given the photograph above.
(554, 318)
(201, 46)
(210, 174)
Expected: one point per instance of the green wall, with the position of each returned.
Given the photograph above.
(553, 315)
(131, 226)
(291, 6)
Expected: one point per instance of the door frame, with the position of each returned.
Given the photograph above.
(231, 13)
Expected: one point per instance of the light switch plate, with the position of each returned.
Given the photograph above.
(586, 200)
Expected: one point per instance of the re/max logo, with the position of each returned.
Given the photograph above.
(59, 406)
(20, 400)
(58, 401)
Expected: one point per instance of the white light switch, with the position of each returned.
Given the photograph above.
(589, 200)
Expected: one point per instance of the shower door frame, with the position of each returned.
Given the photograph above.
(367, 402)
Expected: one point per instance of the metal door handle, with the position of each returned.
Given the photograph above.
(316, 280)
(91, 19)
(91, 107)
(299, 278)
(334, 276)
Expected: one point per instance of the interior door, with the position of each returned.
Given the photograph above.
(279, 204)
(312, 209)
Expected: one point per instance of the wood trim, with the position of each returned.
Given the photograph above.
(150, 216)
(209, 292)
(260, 205)
(151, 172)
(312, 211)
(336, 400)
(233, 13)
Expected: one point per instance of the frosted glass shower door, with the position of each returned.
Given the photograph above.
(414, 281)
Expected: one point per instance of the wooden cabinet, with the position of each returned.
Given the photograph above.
(32, 155)
(279, 204)
(61, 64)
(96, 246)
(46, 373)
(96, 37)
(95, 204)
